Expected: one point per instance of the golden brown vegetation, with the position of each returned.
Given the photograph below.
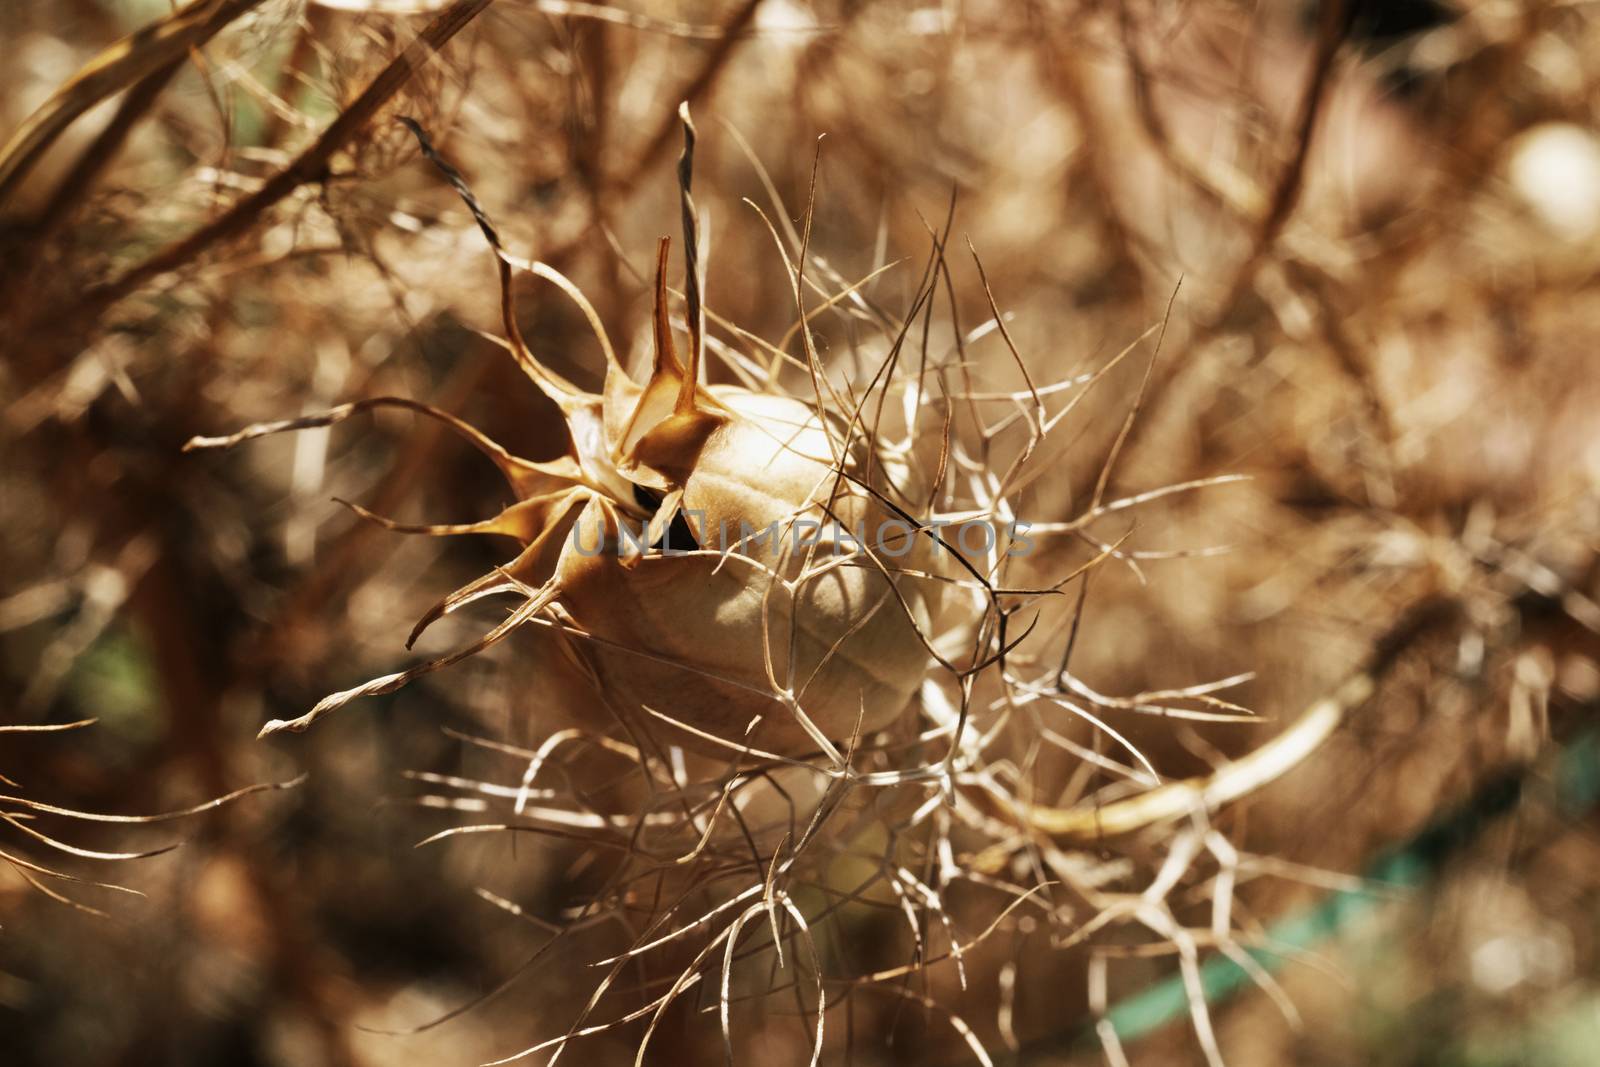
(1275, 327)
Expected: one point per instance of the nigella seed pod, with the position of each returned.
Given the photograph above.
(766, 635)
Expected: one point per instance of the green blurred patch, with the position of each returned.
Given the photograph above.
(116, 682)
(1567, 1035)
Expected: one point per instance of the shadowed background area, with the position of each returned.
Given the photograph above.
(1376, 227)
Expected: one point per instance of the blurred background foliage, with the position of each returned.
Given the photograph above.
(1385, 220)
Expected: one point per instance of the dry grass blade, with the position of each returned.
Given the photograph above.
(166, 816)
(44, 728)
